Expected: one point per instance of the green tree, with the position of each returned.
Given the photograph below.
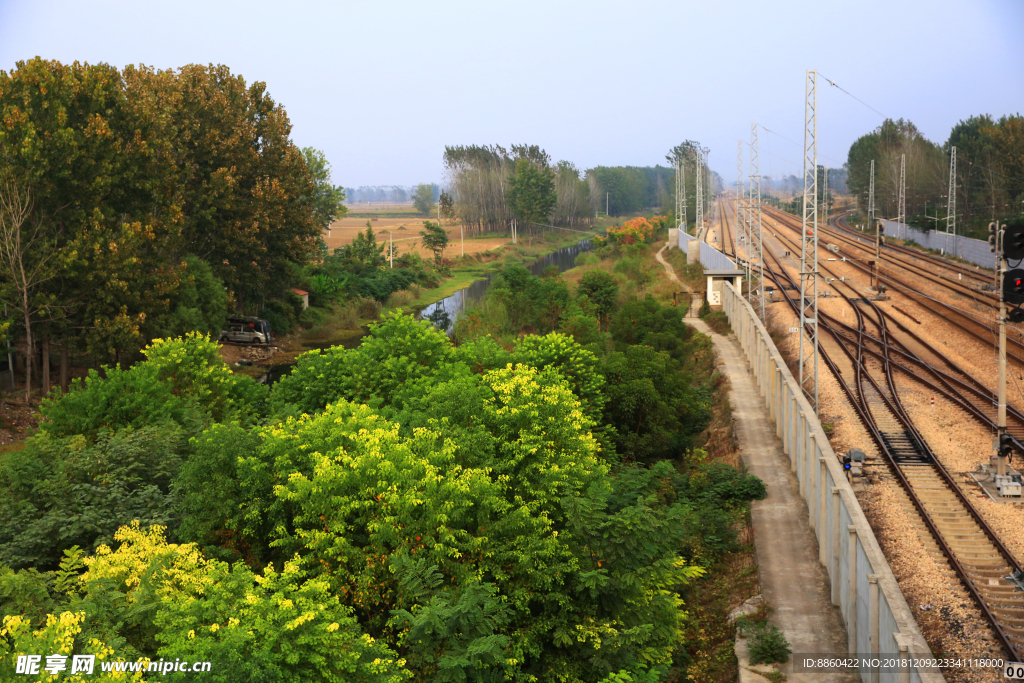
(423, 198)
(199, 304)
(327, 200)
(531, 194)
(244, 193)
(435, 238)
(601, 291)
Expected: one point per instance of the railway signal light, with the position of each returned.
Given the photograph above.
(1013, 241)
(1016, 315)
(1005, 445)
(1013, 286)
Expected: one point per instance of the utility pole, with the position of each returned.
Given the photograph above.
(951, 201)
(903, 194)
(1001, 416)
(682, 185)
(739, 221)
(391, 248)
(809, 247)
(700, 192)
(756, 249)
(606, 194)
(871, 193)
(878, 251)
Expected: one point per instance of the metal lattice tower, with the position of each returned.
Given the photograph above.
(755, 224)
(740, 228)
(951, 201)
(871, 197)
(809, 248)
(700, 193)
(903, 193)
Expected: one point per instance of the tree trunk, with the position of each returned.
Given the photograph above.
(29, 350)
(46, 364)
(64, 366)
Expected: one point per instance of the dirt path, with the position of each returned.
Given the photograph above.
(695, 301)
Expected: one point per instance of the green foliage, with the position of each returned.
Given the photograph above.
(182, 381)
(362, 255)
(602, 291)
(483, 354)
(423, 198)
(531, 194)
(434, 238)
(277, 626)
(718, 321)
(651, 405)
(64, 492)
(767, 644)
(648, 322)
(327, 199)
(397, 350)
(210, 494)
(582, 327)
(573, 362)
(314, 317)
(199, 304)
(705, 309)
(529, 300)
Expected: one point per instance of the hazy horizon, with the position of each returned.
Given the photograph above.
(382, 91)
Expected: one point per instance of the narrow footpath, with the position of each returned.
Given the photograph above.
(793, 583)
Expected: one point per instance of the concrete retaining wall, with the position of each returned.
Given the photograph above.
(877, 617)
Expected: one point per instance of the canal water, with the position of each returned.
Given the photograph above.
(453, 306)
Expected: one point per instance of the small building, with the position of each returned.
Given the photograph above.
(304, 296)
(717, 269)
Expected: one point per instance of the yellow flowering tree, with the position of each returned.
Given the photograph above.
(60, 636)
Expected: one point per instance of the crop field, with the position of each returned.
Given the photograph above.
(406, 233)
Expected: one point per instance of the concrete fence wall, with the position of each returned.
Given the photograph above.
(877, 617)
(967, 248)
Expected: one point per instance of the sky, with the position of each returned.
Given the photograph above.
(382, 87)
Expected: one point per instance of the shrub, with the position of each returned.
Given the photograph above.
(401, 298)
(61, 492)
(398, 350)
(768, 645)
(182, 381)
(718, 321)
(368, 309)
(312, 317)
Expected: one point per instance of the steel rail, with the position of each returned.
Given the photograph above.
(976, 328)
(859, 403)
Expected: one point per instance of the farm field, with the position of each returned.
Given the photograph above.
(343, 231)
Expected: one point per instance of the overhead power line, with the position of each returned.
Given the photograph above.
(835, 85)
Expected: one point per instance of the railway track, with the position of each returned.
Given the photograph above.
(974, 324)
(952, 530)
(929, 366)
